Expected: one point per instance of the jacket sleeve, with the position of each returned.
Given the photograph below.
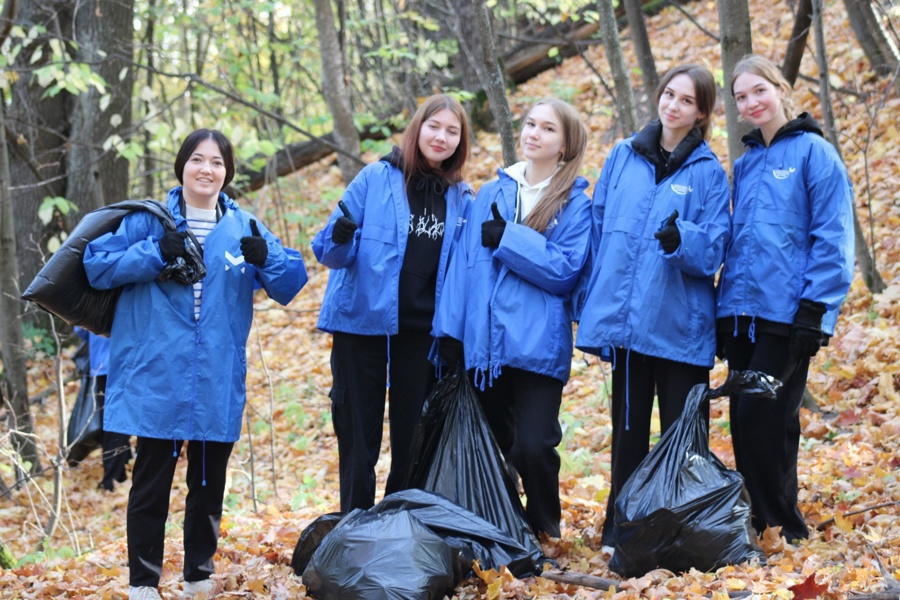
(128, 255)
(554, 266)
(829, 269)
(283, 275)
(339, 256)
(705, 235)
(450, 312)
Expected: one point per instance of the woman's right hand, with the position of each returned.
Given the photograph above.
(344, 227)
(171, 245)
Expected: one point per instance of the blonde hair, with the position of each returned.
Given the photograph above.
(574, 143)
(765, 68)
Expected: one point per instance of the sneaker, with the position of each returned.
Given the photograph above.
(144, 592)
(607, 552)
(199, 590)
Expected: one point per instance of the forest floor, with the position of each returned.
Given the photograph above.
(284, 469)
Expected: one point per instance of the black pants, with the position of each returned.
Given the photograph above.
(766, 433)
(148, 507)
(522, 409)
(116, 446)
(360, 368)
(636, 378)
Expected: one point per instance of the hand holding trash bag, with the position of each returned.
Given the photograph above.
(344, 227)
(171, 245)
(254, 248)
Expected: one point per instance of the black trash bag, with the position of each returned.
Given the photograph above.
(455, 455)
(311, 539)
(62, 288)
(682, 508)
(412, 545)
(85, 430)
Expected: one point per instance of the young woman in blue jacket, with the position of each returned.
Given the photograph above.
(178, 357)
(388, 246)
(508, 297)
(660, 225)
(787, 270)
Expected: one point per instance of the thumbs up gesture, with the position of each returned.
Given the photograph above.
(254, 247)
(492, 230)
(668, 235)
(344, 227)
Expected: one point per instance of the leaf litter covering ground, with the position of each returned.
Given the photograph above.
(849, 452)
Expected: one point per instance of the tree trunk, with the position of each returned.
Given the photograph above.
(609, 31)
(879, 46)
(336, 92)
(13, 343)
(794, 53)
(37, 129)
(635, 13)
(734, 37)
(864, 259)
(105, 38)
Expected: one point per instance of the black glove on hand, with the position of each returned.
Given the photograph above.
(254, 248)
(171, 245)
(451, 351)
(492, 231)
(806, 332)
(344, 227)
(668, 235)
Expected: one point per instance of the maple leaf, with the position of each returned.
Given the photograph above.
(809, 589)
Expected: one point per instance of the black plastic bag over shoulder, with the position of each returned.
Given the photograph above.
(62, 287)
(682, 508)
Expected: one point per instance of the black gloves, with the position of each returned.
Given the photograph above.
(171, 245)
(668, 235)
(806, 332)
(492, 231)
(344, 227)
(254, 248)
(451, 351)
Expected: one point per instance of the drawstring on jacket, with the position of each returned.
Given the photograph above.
(389, 361)
(174, 448)
(751, 331)
(203, 464)
(627, 383)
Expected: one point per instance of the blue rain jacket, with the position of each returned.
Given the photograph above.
(635, 296)
(793, 228)
(510, 306)
(171, 376)
(364, 283)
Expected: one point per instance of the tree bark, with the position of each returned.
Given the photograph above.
(105, 37)
(609, 31)
(635, 13)
(37, 132)
(878, 45)
(337, 94)
(734, 37)
(794, 53)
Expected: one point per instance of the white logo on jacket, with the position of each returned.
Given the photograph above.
(235, 261)
(681, 190)
(783, 173)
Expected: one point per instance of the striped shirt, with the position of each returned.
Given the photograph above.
(201, 222)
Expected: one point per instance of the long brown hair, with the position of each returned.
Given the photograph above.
(765, 68)
(574, 143)
(413, 159)
(704, 91)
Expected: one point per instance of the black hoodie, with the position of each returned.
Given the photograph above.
(426, 195)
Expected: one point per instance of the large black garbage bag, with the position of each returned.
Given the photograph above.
(311, 539)
(61, 287)
(455, 455)
(682, 508)
(85, 430)
(413, 545)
